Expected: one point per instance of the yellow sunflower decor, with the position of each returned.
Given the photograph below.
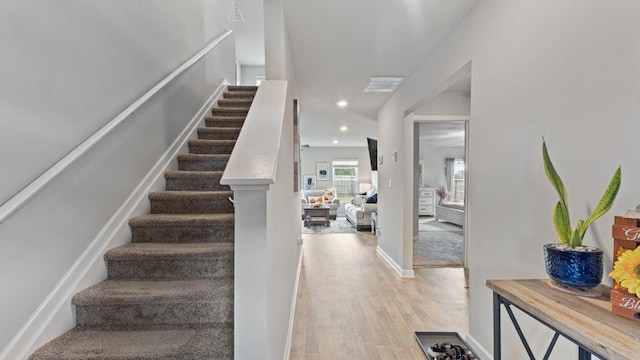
(626, 271)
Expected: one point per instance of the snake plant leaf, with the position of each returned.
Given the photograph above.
(606, 202)
(555, 179)
(578, 234)
(561, 224)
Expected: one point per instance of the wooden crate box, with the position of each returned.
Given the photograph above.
(626, 235)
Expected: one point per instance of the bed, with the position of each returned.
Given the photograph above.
(452, 212)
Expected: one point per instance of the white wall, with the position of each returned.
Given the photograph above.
(283, 217)
(68, 68)
(250, 73)
(432, 158)
(447, 103)
(313, 155)
(564, 69)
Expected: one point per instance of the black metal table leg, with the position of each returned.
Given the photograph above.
(583, 354)
(496, 327)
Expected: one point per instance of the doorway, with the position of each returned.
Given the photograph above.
(439, 240)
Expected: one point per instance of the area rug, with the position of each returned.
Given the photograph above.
(338, 226)
(439, 248)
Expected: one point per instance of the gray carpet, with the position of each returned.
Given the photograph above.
(439, 244)
(338, 226)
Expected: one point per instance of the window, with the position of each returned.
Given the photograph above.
(458, 181)
(345, 177)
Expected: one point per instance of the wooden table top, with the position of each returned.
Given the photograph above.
(589, 321)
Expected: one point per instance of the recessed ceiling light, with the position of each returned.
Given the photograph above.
(383, 84)
(335, 141)
(342, 103)
(343, 128)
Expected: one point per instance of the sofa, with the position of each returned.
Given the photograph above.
(359, 211)
(328, 197)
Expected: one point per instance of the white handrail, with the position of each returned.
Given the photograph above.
(18, 200)
(254, 159)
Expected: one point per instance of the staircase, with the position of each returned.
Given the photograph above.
(169, 293)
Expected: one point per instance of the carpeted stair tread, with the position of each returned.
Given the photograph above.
(203, 162)
(224, 121)
(141, 344)
(190, 195)
(156, 251)
(230, 111)
(239, 94)
(171, 261)
(194, 181)
(219, 133)
(237, 103)
(200, 146)
(182, 228)
(155, 291)
(251, 88)
(153, 220)
(191, 202)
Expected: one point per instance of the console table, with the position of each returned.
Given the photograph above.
(587, 322)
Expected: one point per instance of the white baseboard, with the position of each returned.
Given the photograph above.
(403, 273)
(478, 349)
(287, 346)
(55, 315)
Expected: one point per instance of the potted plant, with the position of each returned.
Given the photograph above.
(569, 262)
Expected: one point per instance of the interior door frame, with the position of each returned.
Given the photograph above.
(445, 118)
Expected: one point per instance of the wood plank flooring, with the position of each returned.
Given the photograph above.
(352, 305)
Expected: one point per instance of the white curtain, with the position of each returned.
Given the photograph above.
(448, 173)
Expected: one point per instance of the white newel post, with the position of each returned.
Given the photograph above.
(250, 272)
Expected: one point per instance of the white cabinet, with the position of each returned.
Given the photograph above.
(426, 201)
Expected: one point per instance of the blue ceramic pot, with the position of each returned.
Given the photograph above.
(580, 269)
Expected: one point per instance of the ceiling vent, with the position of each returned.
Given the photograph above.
(383, 84)
(239, 16)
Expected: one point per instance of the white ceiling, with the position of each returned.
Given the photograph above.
(338, 45)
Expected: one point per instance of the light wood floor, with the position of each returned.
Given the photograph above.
(352, 305)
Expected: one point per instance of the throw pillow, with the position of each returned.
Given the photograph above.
(317, 201)
(358, 200)
(373, 199)
(328, 195)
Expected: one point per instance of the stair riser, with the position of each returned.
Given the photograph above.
(211, 148)
(229, 111)
(203, 134)
(191, 206)
(190, 184)
(251, 88)
(114, 315)
(238, 95)
(220, 121)
(202, 164)
(222, 232)
(220, 266)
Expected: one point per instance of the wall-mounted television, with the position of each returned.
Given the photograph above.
(373, 153)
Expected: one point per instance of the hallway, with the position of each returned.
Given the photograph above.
(352, 305)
